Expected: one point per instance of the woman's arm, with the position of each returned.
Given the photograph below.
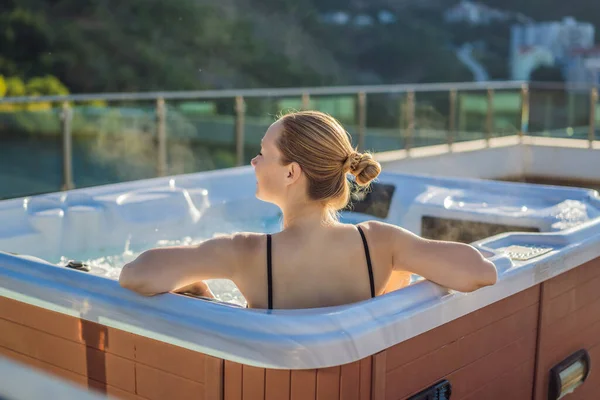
(454, 265)
(169, 269)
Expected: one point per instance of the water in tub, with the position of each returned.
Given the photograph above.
(110, 262)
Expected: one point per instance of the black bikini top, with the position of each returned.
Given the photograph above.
(270, 267)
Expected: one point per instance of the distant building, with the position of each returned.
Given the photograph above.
(558, 37)
(363, 20)
(474, 13)
(342, 18)
(528, 59)
(559, 40)
(386, 17)
(583, 66)
(592, 64)
(336, 17)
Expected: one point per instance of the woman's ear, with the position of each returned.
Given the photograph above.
(293, 173)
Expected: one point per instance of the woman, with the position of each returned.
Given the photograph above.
(315, 261)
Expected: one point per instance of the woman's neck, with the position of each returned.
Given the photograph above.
(297, 217)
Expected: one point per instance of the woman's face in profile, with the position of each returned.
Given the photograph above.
(269, 172)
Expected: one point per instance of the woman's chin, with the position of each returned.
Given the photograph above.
(260, 197)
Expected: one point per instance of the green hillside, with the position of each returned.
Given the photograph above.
(142, 45)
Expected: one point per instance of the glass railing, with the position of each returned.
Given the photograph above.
(53, 143)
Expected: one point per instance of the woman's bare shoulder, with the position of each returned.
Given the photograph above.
(245, 243)
(378, 231)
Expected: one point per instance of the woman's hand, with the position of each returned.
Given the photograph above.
(197, 289)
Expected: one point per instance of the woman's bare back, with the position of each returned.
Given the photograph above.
(327, 267)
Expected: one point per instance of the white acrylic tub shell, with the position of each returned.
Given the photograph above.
(200, 205)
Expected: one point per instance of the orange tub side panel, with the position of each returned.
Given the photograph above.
(154, 353)
(232, 381)
(155, 384)
(466, 351)
(437, 338)
(167, 357)
(65, 326)
(351, 381)
(570, 279)
(253, 383)
(570, 321)
(366, 378)
(566, 305)
(114, 393)
(328, 383)
(71, 356)
(101, 357)
(484, 371)
(68, 375)
(213, 381)
(277, 384)
(471, 352)
(516, 383)
(303, 384)
(379, 375)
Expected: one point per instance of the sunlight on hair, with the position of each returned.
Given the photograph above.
(323, 149)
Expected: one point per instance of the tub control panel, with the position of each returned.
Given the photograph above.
(524, 253)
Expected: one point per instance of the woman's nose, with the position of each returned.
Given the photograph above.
(253, 162)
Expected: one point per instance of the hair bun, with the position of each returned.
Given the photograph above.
(351, 162)
(363, 166)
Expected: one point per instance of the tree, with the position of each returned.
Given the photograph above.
(45, 86)
(2, 86)
(15, 87)
(144, 45)
(547, 74)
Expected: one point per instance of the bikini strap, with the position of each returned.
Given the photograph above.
(269, 273)
(369, 265)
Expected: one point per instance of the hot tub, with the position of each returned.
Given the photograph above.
(85, 327)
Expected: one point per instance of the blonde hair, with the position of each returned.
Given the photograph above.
(322, 148)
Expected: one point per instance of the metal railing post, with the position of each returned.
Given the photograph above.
(410, 110)
(305, 101)
(524, 112)
(452, 119)
(489, 120)
(161, 133)
(570, 106)
(362, 120)
(240, 111)
(548, 112)
(592, 127)
(66, 117)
